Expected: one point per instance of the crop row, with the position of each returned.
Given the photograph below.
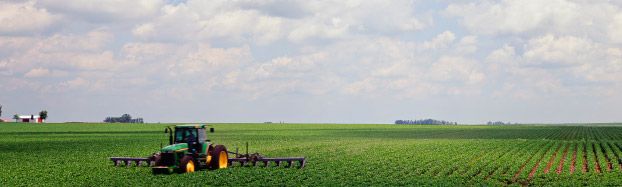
(567, 152)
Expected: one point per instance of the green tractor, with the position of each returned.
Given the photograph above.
(189, 150)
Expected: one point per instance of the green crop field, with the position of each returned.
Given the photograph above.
(350, 155)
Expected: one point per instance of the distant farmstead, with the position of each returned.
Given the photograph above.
(29, 119)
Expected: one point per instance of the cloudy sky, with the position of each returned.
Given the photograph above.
(313, 61)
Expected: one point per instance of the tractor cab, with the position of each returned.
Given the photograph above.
(193, 135)
(183, 134)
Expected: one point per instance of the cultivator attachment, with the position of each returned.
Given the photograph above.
(253, 159)
(241, 160)
(127, 161)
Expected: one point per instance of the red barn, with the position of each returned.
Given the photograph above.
(29, 119)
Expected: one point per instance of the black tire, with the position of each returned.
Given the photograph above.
(220, 158)
(184, 167)
(208, 157)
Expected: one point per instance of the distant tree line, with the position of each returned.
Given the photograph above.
(498, 123)
(125, 118)
(425, 122)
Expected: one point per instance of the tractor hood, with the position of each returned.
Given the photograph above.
(175, 147)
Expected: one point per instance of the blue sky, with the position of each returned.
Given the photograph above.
(313, 61)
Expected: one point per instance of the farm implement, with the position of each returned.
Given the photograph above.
(189, 150)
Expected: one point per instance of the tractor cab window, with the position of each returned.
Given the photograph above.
(185, 135)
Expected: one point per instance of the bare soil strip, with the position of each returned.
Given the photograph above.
(507, 169)
(602, 149)
(535, 168)
(598, 170)
(574, 159)
(520, 170)
(473, 160)
(560, 167)
(488, 163)
(615, 153)
(550, 163)
(584, 158)
(517, 149)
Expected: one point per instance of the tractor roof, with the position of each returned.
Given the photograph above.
(193, 126)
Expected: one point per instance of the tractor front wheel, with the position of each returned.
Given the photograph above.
(220, 157)
(187, 164)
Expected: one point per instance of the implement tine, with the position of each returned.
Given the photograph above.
(267, 162)
(302, 163)
(127, 161)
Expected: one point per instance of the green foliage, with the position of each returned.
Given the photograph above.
(337, 155)
(43, 114)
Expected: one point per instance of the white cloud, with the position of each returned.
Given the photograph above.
(441, 41)
(86, 51)
(262, 23)
(105, 11)
(534, 17)
(615, 29)
(456, 69)
(467, 45)
(510, 16)
(23, 18)
(42, 72)
(552, 65)
(583, 58)
(504, 54)
(262, 29)
(334, 30)
(562, 51)
(209, 61)
(225, 22)
(339, 19)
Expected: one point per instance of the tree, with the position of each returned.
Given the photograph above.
(43, 114)
(125, 118)
(0, 110)
(15, 117)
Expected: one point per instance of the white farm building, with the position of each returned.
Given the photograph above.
(29, 119)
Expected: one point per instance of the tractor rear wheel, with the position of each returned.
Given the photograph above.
(208, 158)
(187, 164)
(220, 157)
